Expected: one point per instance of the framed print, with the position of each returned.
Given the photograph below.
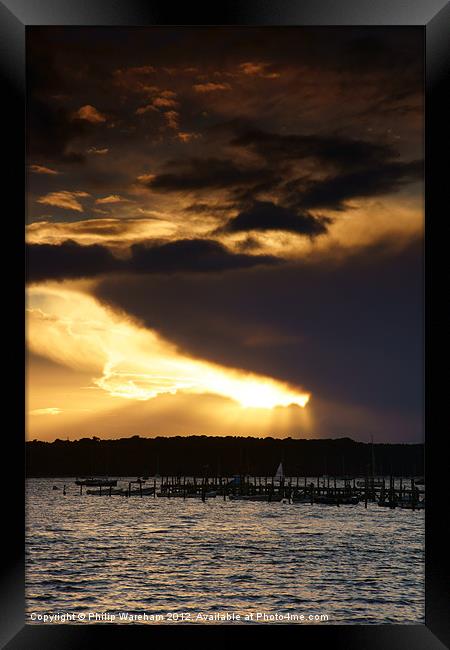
(234, 356)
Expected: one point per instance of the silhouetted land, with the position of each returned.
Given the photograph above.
(215, 455)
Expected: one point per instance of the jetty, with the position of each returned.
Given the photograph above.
(390, 492)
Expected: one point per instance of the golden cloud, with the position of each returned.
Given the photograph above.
(172, 119)
(211, 87)
(258, 69)
(144, 109)
(39, 169)
(187, 137)
(112, 198)
(46, 411)
(164, 102)
(90, 114)
(129, 362)
(98, 152)
(64, 199)
(109, 231)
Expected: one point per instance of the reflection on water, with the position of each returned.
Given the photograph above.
(111, 554)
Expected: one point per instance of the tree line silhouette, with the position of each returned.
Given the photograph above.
(220, 456)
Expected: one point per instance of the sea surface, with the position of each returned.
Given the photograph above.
(105, 560)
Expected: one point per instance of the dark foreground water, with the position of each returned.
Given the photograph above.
(102, 558)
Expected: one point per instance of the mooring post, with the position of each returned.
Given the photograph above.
(81, 489)
(391, 493)
(110, 490)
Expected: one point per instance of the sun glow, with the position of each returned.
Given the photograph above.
(129, 362)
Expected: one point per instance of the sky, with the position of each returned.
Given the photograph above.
(225, 232)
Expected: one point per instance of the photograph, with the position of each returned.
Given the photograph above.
(225, 419)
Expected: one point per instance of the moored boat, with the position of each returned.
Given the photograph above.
(254, 497)
(96, 482)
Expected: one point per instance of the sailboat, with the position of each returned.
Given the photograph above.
(265, 496)
(370, 480)
(279, 474)
(95, 481)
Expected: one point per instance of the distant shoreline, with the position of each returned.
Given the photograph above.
(220, 456)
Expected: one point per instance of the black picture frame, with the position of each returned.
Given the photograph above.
(433, 16)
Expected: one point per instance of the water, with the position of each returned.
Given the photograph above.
(106, 555)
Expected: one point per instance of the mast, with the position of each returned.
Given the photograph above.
(372, 458)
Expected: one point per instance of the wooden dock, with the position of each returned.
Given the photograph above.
(390, 492)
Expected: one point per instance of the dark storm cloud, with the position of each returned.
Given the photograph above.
(200, 255)
(68, 260)
(71, 260)
(331, 150)
(207, 208)
(264, 215)
(208, 173)
(353, 329)
(333, 192)
(50, 127)
(51, 132)
(356, 168)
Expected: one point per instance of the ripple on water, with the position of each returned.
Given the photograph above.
(92, 553)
